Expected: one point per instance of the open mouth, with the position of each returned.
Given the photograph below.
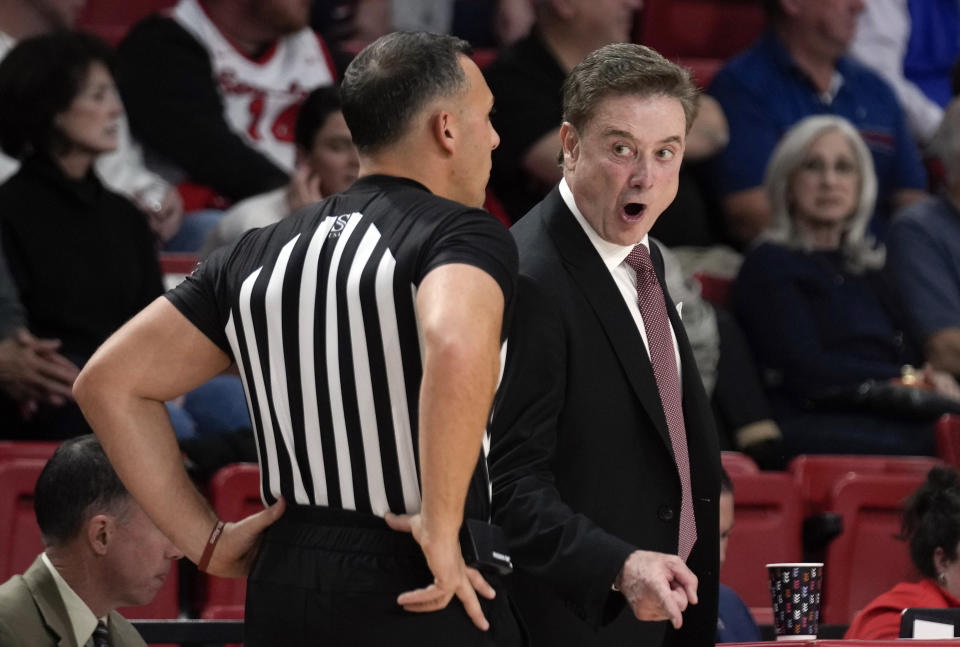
(634, 210)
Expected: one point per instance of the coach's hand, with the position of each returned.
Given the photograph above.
(233, 555)
(657, 586)
(451, 576)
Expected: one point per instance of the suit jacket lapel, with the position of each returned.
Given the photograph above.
(598, 287)
(47, 598)
(122, 632)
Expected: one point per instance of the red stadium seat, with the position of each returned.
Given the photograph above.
(948, 439)
(767, 529)
(112, 19)
(234, 494)
(715, 289)
(19, 534)
(700, 29)
(867, 558)
(10, 449)
(738, 463)
(818, 474)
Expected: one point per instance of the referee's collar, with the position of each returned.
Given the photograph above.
(377, 180)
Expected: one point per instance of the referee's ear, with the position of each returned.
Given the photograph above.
(443, 128)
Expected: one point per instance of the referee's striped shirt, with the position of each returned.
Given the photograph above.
(318, 312)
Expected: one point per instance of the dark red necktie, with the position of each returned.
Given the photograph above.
(653, 309)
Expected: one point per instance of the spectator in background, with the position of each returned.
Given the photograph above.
(31, 369)
(734, 622)
(213, 90)
(484, 23)
(931, 524)
(65, 236)
(82, 257)
(122, 170)
(728, 370)
(101, 552)
(327, 163)
(810, 300)
(924, 258)
(913, 45)
(526, 79)
(798, 68)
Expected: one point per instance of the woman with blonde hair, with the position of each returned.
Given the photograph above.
(810, 299)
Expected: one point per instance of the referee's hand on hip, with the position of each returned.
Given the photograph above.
(451, 576)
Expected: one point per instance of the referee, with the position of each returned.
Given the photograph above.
(366, 329)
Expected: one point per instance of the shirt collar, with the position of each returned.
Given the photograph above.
(611, 254)
(81, 617)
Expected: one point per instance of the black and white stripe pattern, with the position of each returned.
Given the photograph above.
(318, 312)
(304, 412)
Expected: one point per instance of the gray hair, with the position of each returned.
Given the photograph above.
(946, 142)
(860, 250)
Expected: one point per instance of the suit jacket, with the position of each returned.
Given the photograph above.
(581, 461)
(32, 614)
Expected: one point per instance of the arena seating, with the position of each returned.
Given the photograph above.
(767, 529)
(819, 475)
(111, 19)
(700, 34)
(948, 439)
(867, 558)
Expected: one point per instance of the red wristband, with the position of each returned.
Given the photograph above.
(208, 550)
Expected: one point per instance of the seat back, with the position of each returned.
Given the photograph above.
(767, 529)
(20, 541)
(10, 449)
(948, 439)
(819, 474)
(112, 19)
(738, 463)
(700, 29)
(234, 494)
(867, 558)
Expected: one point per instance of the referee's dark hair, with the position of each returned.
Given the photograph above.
(393, 78)
(313, 114)
(77, 483)
(39, 79)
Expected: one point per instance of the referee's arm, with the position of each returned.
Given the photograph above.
(460, 310)
(157, 356)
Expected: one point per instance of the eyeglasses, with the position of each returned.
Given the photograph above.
(843, 167)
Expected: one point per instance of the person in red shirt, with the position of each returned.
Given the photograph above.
(931, 523)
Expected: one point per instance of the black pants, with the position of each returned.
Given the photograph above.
(331, 577)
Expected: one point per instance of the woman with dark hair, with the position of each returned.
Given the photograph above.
(931, 523)
(809, 297)
(83, 258)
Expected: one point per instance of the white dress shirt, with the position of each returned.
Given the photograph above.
(614, 257)
(82, 619)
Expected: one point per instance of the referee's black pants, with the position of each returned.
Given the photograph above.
(332, 577)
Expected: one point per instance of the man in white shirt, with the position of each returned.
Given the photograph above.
(102, 552)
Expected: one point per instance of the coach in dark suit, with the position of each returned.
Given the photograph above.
(605, 461)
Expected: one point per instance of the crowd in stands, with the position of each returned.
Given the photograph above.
(807, 163)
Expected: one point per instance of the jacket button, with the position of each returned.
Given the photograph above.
(665, 513)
